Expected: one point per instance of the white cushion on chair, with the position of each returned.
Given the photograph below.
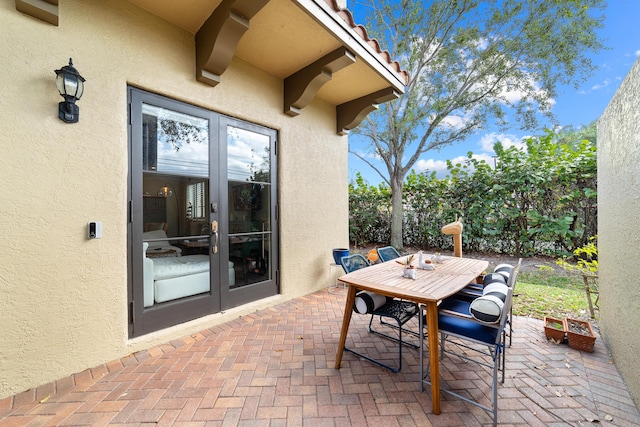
(499, 290)
(494, 277)
(367, 302)
(505, 270)
(487, 308)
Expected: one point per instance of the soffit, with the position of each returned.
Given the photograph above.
(282, 38)
(186, 14)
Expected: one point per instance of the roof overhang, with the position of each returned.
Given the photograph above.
(314, 46)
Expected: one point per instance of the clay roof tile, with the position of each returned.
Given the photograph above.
(347, 16)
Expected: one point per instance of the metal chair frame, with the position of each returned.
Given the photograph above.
(512, 285)
(473, 291)
(454, 322)
(387, 253)
(400, 311)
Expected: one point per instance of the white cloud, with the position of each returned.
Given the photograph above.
(440, 166)
(637, 53)
(430, 165)
(486, 153)
(604, 84)
(456, 122)
(516, 95)
(507, 140)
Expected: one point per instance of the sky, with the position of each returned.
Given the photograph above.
(572, 107)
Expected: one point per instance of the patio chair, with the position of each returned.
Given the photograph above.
(383, 307)
(479, 327)
(387, 253)
(511, 283)
(503, 273)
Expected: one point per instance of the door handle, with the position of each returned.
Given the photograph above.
(214, 233)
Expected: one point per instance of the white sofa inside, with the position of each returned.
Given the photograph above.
(159, 242)
(170, 278)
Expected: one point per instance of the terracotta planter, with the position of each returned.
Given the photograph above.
(554, 329)
(580, 334)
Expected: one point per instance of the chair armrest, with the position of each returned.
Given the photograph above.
(474, 287)
(468, 293)
(454, 313)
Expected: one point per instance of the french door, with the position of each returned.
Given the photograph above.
(203, 226)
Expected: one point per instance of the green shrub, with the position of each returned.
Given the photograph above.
(538, 200)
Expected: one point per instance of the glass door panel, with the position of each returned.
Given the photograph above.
(175, 218)
(191, 168)
(249, 190)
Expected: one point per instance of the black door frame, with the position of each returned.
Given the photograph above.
(145, 320)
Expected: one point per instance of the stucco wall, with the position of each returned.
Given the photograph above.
(619, 227)
(63, 298)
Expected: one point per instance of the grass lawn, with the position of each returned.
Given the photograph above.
(545, 293)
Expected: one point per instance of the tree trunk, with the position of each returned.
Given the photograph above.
(396, 213)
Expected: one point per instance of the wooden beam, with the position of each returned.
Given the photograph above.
(352, 113)
(44, 10)
(217, 39)
(301, 87)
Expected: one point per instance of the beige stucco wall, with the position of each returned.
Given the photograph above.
(619, 227)
(63, 298)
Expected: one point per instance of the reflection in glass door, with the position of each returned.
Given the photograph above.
(175, 190)
(203, 225)
(249, 185)
(250, 210)
(174, 275)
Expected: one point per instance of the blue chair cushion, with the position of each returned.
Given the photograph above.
(467, 328)
(454, 303)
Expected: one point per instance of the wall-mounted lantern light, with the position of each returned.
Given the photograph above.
(71, 86)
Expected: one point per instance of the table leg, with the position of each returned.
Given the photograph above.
(348, 308)
(421, 337)
(432, 331)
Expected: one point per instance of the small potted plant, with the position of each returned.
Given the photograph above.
(580, 334)
(554, 329)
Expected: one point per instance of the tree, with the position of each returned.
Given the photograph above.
(472, 63)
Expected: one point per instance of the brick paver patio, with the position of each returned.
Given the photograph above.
(275, 368)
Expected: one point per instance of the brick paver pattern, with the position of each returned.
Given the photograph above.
(276, 368)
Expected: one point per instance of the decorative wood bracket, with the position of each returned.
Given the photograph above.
(218, 37)
(350, 114)
(44, 10)
(301, 87)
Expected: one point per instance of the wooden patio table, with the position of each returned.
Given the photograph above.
(429, 287)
